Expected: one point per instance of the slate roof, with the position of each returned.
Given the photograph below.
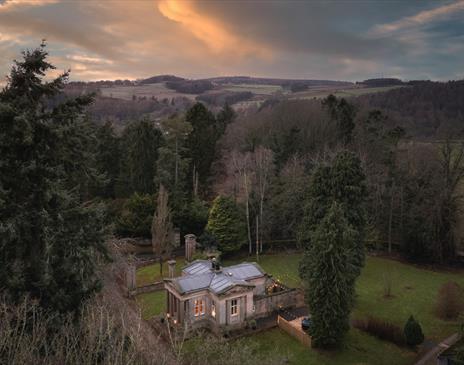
(199, 276)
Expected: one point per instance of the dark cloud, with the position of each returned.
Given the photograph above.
(318, 39)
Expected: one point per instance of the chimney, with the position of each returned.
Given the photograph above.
(172, 268)
(190, 246)
(215, 265)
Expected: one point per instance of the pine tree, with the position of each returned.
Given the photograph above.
(329, 287)
(342, 182)
(50, 238)
(201, 142)
(140, 143)
(226, 223)
(413, 332)
(224, 118)
(108, 158)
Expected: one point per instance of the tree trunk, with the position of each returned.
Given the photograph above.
(390, 218)
(176, 172)
(261, 203)
(247, 212)
(257, 239)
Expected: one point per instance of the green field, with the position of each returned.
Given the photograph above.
(159, 91)
(258, 89)
(341, 93)
(414, 292)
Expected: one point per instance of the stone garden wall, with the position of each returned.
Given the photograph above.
(288, 298)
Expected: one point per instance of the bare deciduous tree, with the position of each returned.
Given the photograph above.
(241, 164)
(162, 238)
(262, 165)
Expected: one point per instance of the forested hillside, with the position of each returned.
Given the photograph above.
(425, 109)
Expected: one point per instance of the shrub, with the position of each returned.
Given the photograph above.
(450, 301)
(413, 332)
(135, 219)
(253, 324)
(381, 329)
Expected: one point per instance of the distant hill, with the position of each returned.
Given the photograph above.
(380, 82)
(274, 81)
(160, 78)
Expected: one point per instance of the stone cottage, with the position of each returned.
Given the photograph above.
(217, 298)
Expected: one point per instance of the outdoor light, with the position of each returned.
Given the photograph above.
(175, 321)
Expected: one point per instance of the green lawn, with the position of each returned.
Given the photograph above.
(152, 304)
(151, 274)
(414, 292)
(360, 349)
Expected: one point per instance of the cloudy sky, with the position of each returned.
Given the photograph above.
(342, 40)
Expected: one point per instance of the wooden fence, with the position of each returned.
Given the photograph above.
(298, 333)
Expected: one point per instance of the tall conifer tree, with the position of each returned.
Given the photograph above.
(49, 236)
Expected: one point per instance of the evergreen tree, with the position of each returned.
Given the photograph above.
(50, 238)
(343, 113)
(226, 223)
(328, 272)
(201, 142)
(224, 118)
(349, 190)
(342, 182)
(172, 165)
(140, 142)
(108, 158)
(413, 332)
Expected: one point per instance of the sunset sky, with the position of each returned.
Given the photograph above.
(339, 40)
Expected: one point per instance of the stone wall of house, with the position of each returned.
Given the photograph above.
(289, 298)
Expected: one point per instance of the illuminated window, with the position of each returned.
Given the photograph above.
(199, 306)
(233, 307)
(213, 310)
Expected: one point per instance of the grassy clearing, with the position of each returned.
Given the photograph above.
(152, 304)
(414, 291)
(159, 91)
(257, 89)
(341, 93)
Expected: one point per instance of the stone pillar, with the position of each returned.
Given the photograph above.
(172, 268)
(176, 237)
(190, 246)
(130, 279)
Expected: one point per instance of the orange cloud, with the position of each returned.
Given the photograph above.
(209, 30)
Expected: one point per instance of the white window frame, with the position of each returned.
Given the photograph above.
(234, 307)
(199, 307)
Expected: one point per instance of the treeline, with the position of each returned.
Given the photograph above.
(221, 98)
(190, 86)
(412, 190)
